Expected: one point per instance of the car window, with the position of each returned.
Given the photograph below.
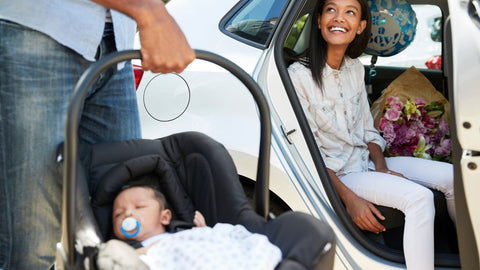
(426, 48)
(295, 41)
(256, 19)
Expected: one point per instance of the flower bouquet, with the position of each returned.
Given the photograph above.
(415, 129)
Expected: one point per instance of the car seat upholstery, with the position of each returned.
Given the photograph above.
(196, 173)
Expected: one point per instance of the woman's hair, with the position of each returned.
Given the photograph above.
(315, 57)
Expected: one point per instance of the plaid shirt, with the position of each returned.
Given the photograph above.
(339, 116)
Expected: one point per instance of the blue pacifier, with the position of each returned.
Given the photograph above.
(130, 224)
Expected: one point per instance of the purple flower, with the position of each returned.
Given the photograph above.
(410, 134)
(445, 148)
(443, 126)
(389, 134)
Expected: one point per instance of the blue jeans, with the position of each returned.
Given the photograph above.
(37, 78)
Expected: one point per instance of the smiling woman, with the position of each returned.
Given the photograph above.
(351, 147)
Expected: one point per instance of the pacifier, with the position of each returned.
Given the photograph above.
(130, 224)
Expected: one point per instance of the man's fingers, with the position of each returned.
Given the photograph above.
(159, 63)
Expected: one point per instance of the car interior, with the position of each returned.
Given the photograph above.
(292, 42)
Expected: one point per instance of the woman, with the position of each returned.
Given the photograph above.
(329, 81)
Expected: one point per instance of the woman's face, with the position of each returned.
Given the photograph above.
(340, 21)
(141, 204)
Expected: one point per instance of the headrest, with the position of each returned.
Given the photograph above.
(149, 170)
(394, 24)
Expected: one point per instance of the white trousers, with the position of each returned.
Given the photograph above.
(412, 198)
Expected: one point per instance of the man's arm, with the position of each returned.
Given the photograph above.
(164, 47)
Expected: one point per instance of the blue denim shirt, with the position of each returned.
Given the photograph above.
(76, 24)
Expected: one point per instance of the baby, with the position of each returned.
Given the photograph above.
(140, 214)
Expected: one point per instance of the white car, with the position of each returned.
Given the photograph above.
(253, 34)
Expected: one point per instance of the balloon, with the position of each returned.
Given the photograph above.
(394, 24)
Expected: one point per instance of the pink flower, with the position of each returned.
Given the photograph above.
(420, 101)
(392, 115)
(383, 123)
(392, 99)
(397, 106)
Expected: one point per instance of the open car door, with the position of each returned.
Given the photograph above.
(463, 34)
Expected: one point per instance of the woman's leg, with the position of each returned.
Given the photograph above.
(429, 173)
(412, 199)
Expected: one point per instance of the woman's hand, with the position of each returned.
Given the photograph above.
(376, 155)
(364, 214)
(387, 171)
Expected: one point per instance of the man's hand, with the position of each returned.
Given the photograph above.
(164, 47)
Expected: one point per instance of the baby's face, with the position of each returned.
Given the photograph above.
(139, 203)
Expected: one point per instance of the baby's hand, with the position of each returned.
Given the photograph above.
(199, 220)
(142, 250)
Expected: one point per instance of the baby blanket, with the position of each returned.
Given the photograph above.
(224, 246)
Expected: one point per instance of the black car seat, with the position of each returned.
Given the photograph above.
(196, 173)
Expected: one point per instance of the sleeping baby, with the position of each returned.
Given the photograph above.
(140, 214)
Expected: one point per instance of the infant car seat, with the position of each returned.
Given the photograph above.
(193, 171)
(196, 173)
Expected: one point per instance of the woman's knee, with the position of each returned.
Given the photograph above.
(420, 201)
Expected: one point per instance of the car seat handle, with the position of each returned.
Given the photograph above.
(71, 168)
